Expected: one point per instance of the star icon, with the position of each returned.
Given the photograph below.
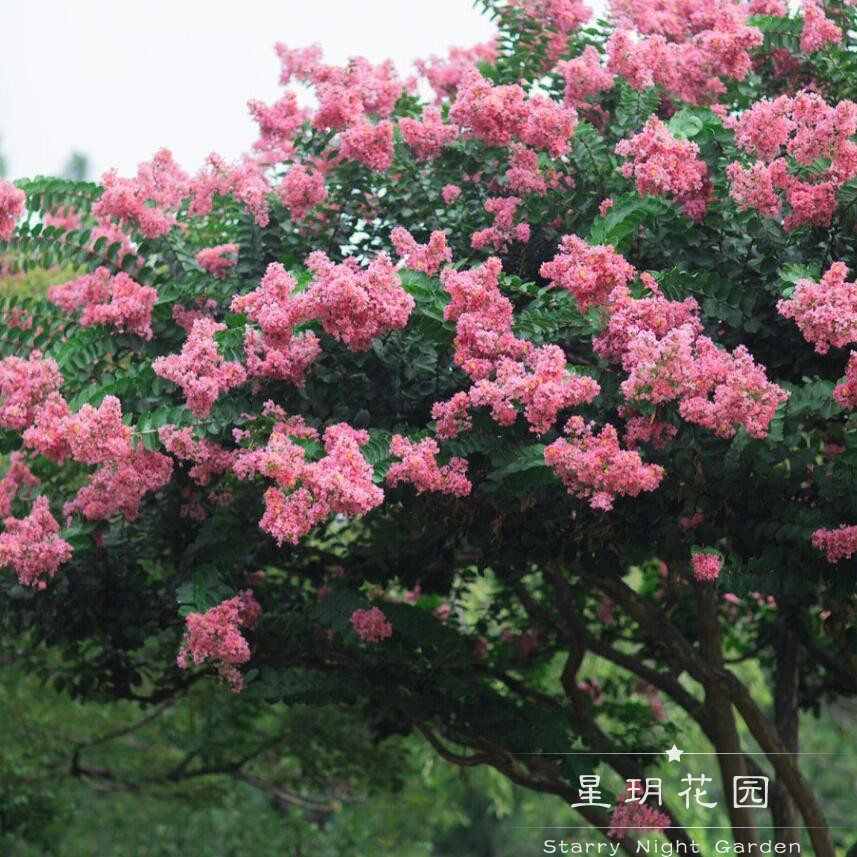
(674, 754)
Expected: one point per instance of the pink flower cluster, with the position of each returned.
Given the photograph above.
(115, 300)
(629, 316)
(584, 76)
(664, 166)
(825, 312)
(32, 547)
(845, 393)
(301, 189)
(564, 16)
(97, 436)
(275, 351)
(453, 417)
(371, 625)
(208, 459)
(341, 482)
(346, 95)
(595, 468)
(17, 475)
(634, 816)
(450, 193)
(218, 260)
(245, 181)
(148, 201)
(215, 637)
(804, 128)
(356, 305)
(524, 175)
(426, 258)
(429, 136)
(818, 29)
(838, 544)
(506, 371)
(504, 230)
(199, 369)
(483, 318)
(370, 144)
(497, 115)
(445, 74)
(541, 383)
(689, 54)
(715, 389)
(278, 124)
(24, 386)
(12, 200)
(588, 272)
(642, 429)
(706, 566)
(419, 467)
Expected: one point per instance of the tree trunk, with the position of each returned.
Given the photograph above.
(783, 808)
(724, 730)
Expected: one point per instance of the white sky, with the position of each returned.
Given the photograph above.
(117, 80)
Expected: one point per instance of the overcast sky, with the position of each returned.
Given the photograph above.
(117, 80)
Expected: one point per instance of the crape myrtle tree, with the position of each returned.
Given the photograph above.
(566, 318)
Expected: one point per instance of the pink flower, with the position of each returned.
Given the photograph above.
(838, 544)
(604, 206)
(548, 126)
(665, 166)
(426, 258)
(688, 51)
(150, 200)
(301, 189)
(628, 317)
(278, 125)
(246, 182)
(371, 625)
(17, 475)
(419, 467)
(483, 319)
(634, 816)
(115, 300)
(428, 137)
(540, 383)
(595, 468)
(564, 16)
(340, 483)
(806, 129)
(715, 389)
(277, 352)
(218, 260)
(450, 193)
(504, 229)
(12, 203)
(825, 312)
(356, 305)
(32, 547)
(199, 369)
(371, 145)
(818, 29)
(706, 566)
(589, 272)
(524, 175)
(215, 636)
(584, 77)
(845, 392)
(445, 74)
(208, 459)
(453, 417)
(493, 114)
(24, 385)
